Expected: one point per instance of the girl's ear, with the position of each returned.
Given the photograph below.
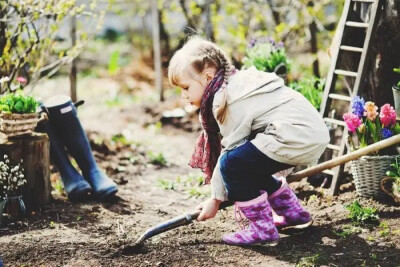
(209, 76)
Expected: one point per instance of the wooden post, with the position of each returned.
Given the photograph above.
(34, 150)
(72, 71)
(157, 49)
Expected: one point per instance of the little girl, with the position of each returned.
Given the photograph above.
(253, 127)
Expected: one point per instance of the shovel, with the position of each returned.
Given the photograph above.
(188, 218)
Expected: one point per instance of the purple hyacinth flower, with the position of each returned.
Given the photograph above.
(271, 40)
(252, 42)
(358, 106)
(386, 133)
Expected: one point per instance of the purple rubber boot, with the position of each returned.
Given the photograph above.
(288, 212)
(261, 228)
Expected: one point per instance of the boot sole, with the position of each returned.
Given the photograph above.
(292, 229)
(264, 244)
(268, 244)
(80, 195)
(106, 194)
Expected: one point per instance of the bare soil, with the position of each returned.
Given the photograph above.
(95, 234)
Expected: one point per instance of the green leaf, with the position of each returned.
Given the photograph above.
(19, 106)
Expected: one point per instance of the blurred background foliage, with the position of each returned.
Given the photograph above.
(35, 35)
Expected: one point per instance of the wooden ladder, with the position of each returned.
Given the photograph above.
(330, 93)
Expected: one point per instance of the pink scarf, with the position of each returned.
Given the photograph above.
(208, 144)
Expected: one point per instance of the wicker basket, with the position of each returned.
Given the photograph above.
(368, 172)
(12, 124)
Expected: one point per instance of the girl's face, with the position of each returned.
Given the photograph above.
(194, 84)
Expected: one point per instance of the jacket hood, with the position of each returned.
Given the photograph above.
(249, 82)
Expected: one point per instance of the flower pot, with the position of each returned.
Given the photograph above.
(2, 205)
(15, 207)
(368, 172)
(389, 186)
(396, 97)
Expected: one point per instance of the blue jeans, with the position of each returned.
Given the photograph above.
(246, 170)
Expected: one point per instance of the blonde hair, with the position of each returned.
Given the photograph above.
(199, 54)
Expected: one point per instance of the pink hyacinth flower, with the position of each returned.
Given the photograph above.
(387, 115)
(370, 110)
(21, 80)
(352, 121)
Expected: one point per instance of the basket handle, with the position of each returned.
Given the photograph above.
(43, 117)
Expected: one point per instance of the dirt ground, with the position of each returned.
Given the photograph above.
(95, 234)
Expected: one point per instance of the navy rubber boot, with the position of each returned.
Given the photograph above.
(62, 114)
(75, 185)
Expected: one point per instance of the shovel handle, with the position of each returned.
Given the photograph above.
(345, 158)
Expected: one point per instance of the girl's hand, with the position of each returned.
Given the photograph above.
(208, 208)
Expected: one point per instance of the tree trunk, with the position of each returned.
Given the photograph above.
(34, 150)
(314, 48)
(275, 14)
(209, 29)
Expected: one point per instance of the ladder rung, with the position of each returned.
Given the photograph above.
(351, 48)
(333, 147)
(364, 1)
(333, 121)
(340, 97)
(330, 172)
(346, 73)
(357, 24)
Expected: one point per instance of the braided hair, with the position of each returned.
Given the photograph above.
(200, 54)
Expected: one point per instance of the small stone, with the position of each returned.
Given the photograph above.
(328, 241)
(160, 264)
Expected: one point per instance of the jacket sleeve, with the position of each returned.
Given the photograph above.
(218, 190)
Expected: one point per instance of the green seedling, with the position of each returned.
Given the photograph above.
(157, 159)
(362, 216)
(311, 261)
(166, 184)
(385, 232)
(197, 192)
(347, 230)
(120, 139)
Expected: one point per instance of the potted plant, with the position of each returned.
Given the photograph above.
(391, 184)
(311, 88)
(17, 112)
(12, 180)
(367, 126)
(396, 93)
(267, 55)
